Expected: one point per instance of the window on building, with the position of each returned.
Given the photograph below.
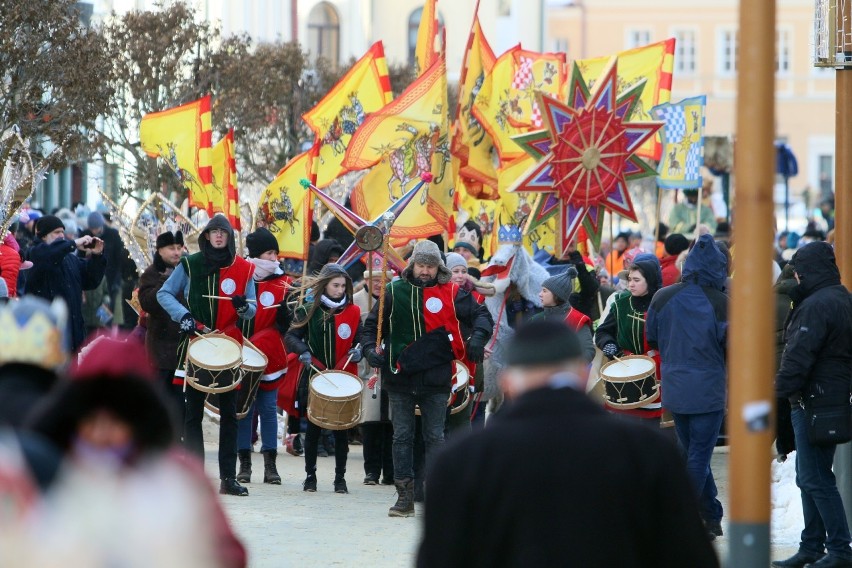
(637, 38)
(560, 45)
(729, 41)
(413, 26)
(685, 51)
(324, 33)
(783, 39)
(826, 176)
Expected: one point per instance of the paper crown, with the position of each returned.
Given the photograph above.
(509, 235)
(34, 332)
(376, 267)
(468, 236)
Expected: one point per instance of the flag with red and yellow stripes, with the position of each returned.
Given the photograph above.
(285, 206)
(654, 63)
(225, 196)
(427, 50)
(182, 137)
(364, 89)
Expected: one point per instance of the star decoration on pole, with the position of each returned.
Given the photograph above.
(585, 156)
(369, 235)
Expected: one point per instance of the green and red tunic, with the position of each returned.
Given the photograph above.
(330, 336)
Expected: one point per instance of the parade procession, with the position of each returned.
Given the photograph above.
(421, 283)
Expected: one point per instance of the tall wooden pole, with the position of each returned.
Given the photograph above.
(750, 342)
(843, 213)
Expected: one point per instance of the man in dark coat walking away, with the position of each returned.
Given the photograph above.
(114, 253)
(58, 272)
(689, 323)
(163, 334)
(605, 493)
(816, 369)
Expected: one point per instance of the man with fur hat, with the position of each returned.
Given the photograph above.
(58, 272)
(163, 334)
(266, 332)
(554, 295)
(215, 270)
(421, 336)
(486, 505)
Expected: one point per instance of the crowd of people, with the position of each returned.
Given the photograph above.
(65, 382)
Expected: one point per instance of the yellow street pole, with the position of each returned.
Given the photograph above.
(750, 343)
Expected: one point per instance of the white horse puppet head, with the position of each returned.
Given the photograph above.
(511, 265)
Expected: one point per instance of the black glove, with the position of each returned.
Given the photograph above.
(355, 353)
(576, 259)
(611, 349)
(476, 349)
(240, 304)
(305, 358)
(189, 325)
(376, 360)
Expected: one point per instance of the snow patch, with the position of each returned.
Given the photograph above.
(787, 520)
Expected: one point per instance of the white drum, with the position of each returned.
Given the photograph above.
(630, 382)
(213, 363)
(334, 400)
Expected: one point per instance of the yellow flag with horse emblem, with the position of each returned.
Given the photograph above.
(427, 49)
(225, 180)
(285, 206)
(506, 104)
(182, 136)
(364, 89)
(404, 140)
(654, 63)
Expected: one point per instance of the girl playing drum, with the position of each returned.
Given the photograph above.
(323, 334)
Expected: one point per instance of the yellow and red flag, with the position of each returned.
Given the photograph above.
(285, 206)
(225, 198)
(507, 105)
(654, 63)
(364, 89)
(427, 50)
(403, 140)
(182, 137)
(471, 145)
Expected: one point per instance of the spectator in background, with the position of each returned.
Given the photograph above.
(324, 252)
(114, 253)
(674, 245)
(10, 264)
(659, 246)
(614, 261)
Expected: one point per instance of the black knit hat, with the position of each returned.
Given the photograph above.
(675, 244)
(168, 239)
(542, 342)
(48, 224)
(261, 241)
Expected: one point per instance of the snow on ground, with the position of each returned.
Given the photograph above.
(786, 502)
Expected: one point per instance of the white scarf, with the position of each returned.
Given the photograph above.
(264, 268)
(328, 302)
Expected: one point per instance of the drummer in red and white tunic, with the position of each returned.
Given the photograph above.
(554, 296)
(323, 333)
(266, 332)
(193, 296)
(623, 330)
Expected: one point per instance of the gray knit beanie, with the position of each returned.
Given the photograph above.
(426, 252)
(562, 285)
(455, 259)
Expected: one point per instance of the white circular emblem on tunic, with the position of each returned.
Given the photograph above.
(267, 299)
(344, 331)
(228, 286)
(434, 305)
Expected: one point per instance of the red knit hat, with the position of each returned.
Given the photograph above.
(113, 357)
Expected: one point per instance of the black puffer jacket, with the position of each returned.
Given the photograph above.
(818, 357)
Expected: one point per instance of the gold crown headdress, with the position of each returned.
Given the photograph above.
(34, 332)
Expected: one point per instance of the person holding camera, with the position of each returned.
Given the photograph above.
(815, 376)
(58, 272)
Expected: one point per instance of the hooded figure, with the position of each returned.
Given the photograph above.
(214, 258)
(325, 251)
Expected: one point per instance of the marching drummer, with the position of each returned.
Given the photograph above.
(266, 332)
(324, 333)
(217, 288)
(623, 330)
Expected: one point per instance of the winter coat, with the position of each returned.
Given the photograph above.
(58, 272)
(92, 301)
(671, 273)
(602, 496)
(10, 266)
(163, 335)
(471, 316)
(584, 334)
(114, 253)
(818, 357)
(689, 323)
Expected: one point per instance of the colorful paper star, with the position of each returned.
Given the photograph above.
(585, 156)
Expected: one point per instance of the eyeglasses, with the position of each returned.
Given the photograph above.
(218, 232)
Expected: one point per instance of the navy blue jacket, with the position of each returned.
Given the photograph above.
(58, 272)
(688, 322)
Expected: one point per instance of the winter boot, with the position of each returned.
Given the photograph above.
(270, 472)
(310, 483)
(293, 445)
(339, 482)
(231, 486)
(404, 506)
(244, 475)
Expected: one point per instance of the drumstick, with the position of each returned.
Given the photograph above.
(323, 375)
(272, 306)
(224, 298)
(346, 364)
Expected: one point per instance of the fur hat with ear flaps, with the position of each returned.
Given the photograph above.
(427, 252)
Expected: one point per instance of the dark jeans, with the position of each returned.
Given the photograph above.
(697, 434)
(433, 409)
(341, 448)
(174, 399)
(822, 507)
(193, 439)
(377, 440)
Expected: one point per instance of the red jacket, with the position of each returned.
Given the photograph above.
(671, 275)
(10, 265)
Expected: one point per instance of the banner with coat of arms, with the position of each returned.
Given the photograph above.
(683, 143)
